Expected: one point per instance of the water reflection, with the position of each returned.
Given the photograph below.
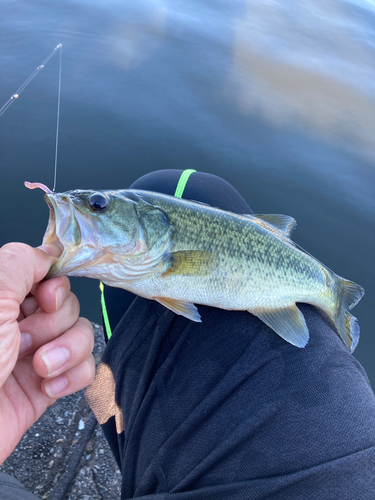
(310, 68)
(135, 38)
(277, 98)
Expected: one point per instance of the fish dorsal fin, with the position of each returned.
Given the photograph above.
(201, 203)
(283, 223)
(180, 307)
(288, 322)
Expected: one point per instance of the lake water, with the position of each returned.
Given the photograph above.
(275, 97)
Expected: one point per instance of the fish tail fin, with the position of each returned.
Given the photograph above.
(346, 324)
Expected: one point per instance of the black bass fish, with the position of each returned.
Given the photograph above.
(181, 252)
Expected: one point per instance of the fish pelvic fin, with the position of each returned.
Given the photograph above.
(288, 322)
(346, 324)
(180, 307)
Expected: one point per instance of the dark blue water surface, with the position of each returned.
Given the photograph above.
(277, 98)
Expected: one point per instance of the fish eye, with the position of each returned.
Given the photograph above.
(97, 202)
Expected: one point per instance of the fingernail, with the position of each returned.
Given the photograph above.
(55, 358)
(56, 386)
(25, 343)
(59, 296)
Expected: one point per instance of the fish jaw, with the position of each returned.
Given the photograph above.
(71, 232)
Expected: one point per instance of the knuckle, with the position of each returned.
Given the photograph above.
(84, 335)
(86, 371)
(86, 325)
(17, 248)
(51, 324)
(16, 255)
(65, 281)
(90, 375)
(74, 302)
(72, 306)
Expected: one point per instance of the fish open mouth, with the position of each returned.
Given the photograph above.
(63, 227)
(50, 236)
(63, 231)
(74, 231)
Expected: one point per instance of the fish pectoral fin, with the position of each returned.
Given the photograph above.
(180, 307)
(190, 263)
(283, 223)
(288, 322)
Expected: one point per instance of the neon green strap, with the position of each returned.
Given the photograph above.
(105, 313)
(178, 194)
(182, 182)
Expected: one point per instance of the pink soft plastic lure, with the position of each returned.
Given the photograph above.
(35, 185)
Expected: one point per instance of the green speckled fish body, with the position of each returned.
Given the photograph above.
(182, 253)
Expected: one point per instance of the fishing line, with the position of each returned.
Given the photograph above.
(29, 79)
(57, 121)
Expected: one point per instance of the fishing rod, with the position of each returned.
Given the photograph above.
(26, 83)
(28, 80)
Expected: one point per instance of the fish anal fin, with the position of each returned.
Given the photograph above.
(288, 322)
(187, 309)
(283, 223)
(190, 263)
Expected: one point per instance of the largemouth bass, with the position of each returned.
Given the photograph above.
(182, 253)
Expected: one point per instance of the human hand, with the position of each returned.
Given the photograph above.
(54, 358)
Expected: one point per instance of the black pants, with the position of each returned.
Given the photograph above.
(225, 409)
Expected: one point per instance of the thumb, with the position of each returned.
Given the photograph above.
(20, 267)
(52, 250)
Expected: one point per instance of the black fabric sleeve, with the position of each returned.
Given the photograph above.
(227, 410)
